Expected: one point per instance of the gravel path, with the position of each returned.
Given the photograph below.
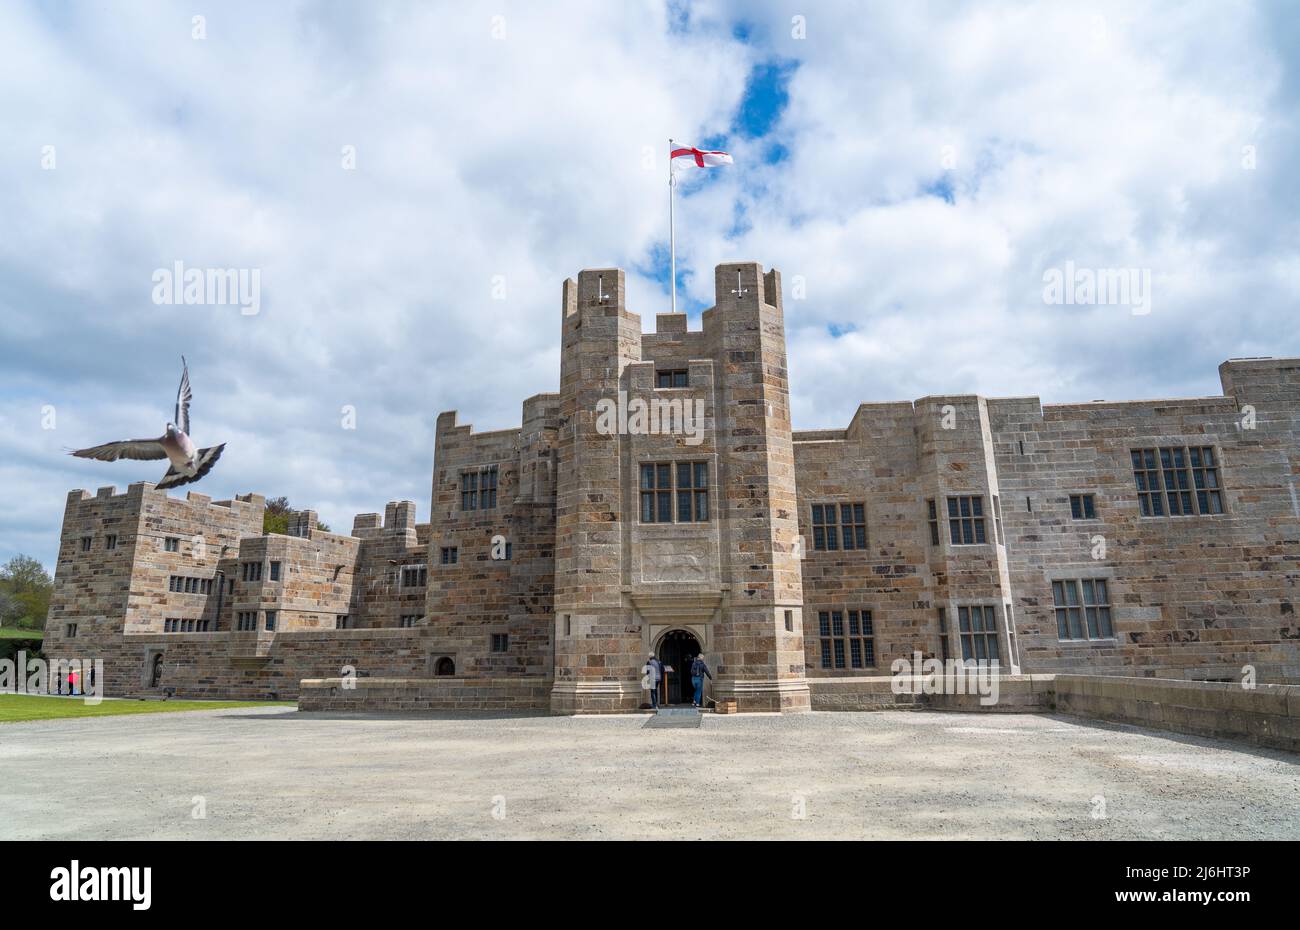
(271, 773)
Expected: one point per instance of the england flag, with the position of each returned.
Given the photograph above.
(685, 154)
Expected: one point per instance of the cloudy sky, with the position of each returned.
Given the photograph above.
(413, 182)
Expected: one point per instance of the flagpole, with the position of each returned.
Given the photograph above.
(672, 228)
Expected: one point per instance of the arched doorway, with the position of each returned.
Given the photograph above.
(676, 650)
(444, 667)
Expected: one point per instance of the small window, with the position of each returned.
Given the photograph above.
(252, 571)
(270, 620)
(275, 571)
(672, 379)
(70, 630)
(852, 645)
(966, 521)
(341, 622)
(247, 620)
(789, 621)
(1082, 609)
(500, 642)
(1177, 481)
(978, 629)
(85, 543)
(1082, 507)
(478, 489)
(932, 513)
(415, 576)
(945, 650)
(408, 620)
(839, 526)
(172, 544)
(450, 555)
(202, 626)
(110, 541)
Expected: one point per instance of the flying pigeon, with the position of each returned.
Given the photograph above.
(187, 463)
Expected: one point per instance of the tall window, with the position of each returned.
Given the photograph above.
(692, 492)
(978, 629)
(1177, 481)
(851, 645)
(966, 520)
(945, 649)
(415, 576)
(671, 379)
(275, 571)
(1086, 616)
(1082, 507)
(85, 543)
(270, 620)
(932, 512)
(839, 526)
(110, 541)
(689, 481)
(247, 620)
(252, 571)
(478, 489)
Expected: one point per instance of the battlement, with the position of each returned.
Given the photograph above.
(138, 492)
(398, 518)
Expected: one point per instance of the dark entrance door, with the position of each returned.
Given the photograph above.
(155, 673)
(676, 649)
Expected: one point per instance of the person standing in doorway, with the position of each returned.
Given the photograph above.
(698, 672)
(653, 674)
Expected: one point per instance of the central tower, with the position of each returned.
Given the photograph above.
(676, 517)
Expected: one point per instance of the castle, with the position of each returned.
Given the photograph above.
(1141, 538)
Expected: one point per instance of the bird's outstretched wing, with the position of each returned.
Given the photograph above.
(183, 396)
(207, 458)
(143, 450)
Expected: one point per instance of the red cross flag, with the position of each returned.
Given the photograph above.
(685, 154)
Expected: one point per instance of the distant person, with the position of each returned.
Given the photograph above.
(72, 681)
(699, 670)
(651, 674)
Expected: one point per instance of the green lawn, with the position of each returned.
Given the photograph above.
(19, 707)
(13, 632)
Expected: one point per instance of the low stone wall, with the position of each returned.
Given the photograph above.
(1267, 715)
(387, 695)
(1016, 694)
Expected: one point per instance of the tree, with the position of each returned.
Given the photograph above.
(25, 589)
(276, 517)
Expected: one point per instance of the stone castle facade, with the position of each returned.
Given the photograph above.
(1150, 538)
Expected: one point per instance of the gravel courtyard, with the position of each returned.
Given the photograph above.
(270, 773)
